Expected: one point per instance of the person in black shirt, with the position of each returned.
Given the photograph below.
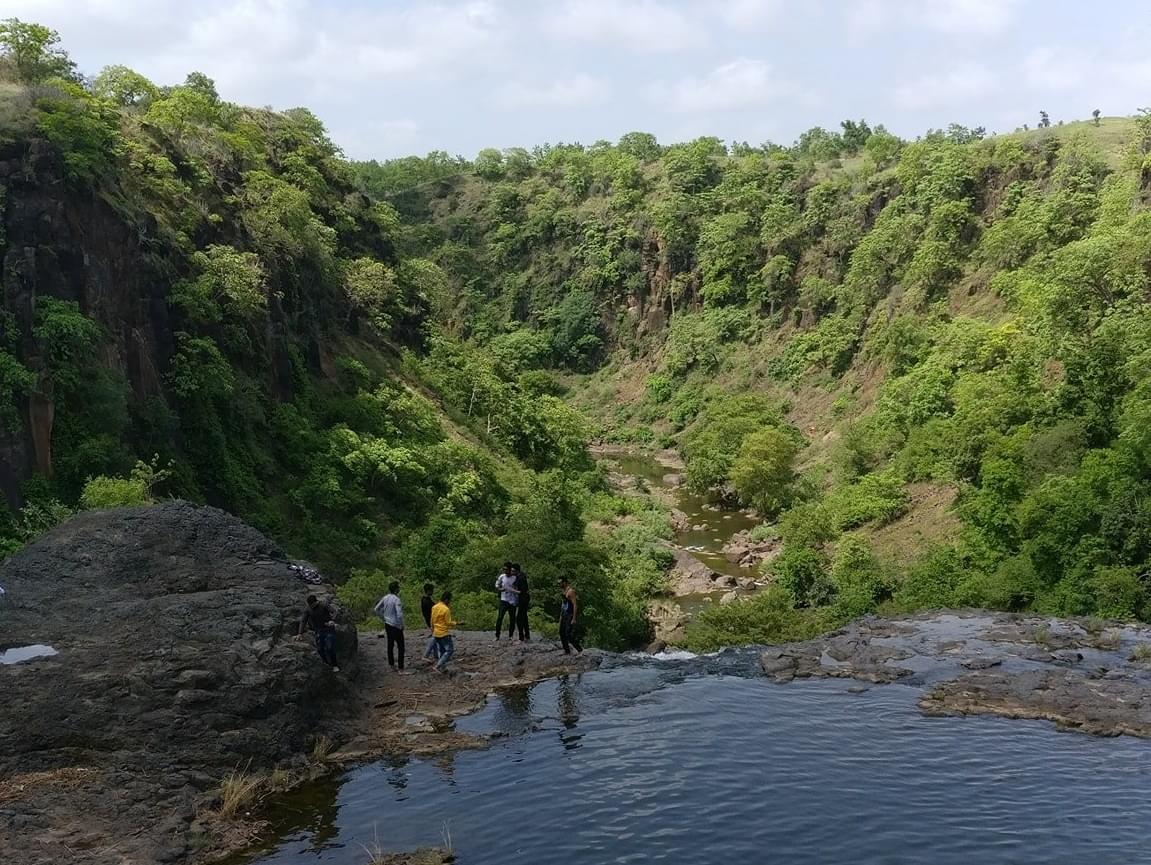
(525, 599)
(569, 618)
(426, 603)
(318, 619)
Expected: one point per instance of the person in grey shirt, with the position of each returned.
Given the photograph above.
(391, 609)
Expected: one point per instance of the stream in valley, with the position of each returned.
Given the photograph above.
(716, 525)
(703, 761)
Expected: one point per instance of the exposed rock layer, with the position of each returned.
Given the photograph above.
(175, 664)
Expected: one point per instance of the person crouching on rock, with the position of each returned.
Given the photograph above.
(442, 625)
(391, 609)
(318, 618)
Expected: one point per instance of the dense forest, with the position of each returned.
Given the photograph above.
(923, 363)
(200, 303)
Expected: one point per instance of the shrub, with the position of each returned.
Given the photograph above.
(767, 617)
(134, 490)
(801, 573)
(764, 470)
(861, 582)
(875, 497)
(1119, 594)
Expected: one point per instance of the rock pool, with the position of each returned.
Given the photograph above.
(662, 762)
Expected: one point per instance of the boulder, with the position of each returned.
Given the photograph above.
(173, 627)
(690, 576)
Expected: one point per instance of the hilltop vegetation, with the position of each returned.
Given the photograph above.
(836, 331)
(924, 363)
(199, 303)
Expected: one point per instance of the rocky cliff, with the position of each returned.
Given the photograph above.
(174, 664)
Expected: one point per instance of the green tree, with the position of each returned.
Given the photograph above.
(34, 52)
(764, 470)
(124, 87)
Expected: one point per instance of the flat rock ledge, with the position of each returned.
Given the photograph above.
(1084, 675)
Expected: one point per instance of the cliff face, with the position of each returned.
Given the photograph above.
(58, 240)
(63, 244)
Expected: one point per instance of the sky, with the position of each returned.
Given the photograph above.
(396, 77)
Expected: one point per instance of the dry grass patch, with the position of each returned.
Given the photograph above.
(239, 791)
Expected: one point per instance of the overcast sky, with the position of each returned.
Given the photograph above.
(394, 77)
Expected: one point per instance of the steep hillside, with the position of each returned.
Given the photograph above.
(924, 362)
(198, 302)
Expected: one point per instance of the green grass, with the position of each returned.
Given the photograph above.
(1113, 135)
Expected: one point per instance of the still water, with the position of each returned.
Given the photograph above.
(661, 763)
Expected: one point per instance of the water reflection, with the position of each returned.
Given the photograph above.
(684, 773)
(26, 653)
(568, 709)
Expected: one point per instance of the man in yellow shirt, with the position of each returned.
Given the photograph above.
(442, 625)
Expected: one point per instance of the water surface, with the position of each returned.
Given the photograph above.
(26, 653)
(660, 763)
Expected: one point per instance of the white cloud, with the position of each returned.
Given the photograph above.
(968, 17)
(742, 83)
(579, 91)
(954, 18)
(646, 26)
(958, 86)
(747, 13)
(866, 18)
(1047, 68)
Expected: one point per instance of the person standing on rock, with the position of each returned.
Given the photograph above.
(431, 653)
(318, 619)
(426, 603)
(523, 602)
(569, 618)
(442, 625)
(391, 609)
(506, 586)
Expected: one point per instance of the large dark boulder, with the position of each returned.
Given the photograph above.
(174, 629)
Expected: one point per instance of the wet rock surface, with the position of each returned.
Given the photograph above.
(1083, 675)
(175, 665)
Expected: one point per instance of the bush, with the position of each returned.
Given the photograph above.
(876, 497)
(134, 490)
(1119, 593)
(861, 582)
(767, 617)
(931, 581)
(801, 573)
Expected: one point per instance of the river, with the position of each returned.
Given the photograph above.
(702, 761)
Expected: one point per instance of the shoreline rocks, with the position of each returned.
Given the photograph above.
(1074, 673)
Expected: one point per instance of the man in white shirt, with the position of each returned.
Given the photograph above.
(506, 586)
(391, 609)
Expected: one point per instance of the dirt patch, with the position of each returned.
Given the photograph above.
(929, 519)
